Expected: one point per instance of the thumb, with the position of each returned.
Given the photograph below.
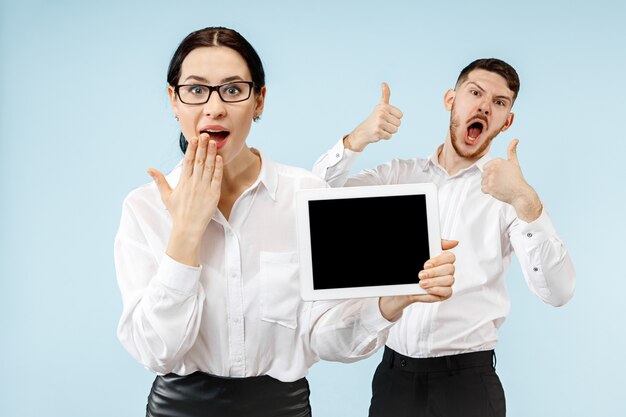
(162, 185)
(448, 244)
(512, 151)
(386, 94)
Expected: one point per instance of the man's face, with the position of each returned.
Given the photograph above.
(480, 109)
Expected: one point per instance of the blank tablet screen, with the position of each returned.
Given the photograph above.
(368, 241)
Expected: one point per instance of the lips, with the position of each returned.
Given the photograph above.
(475, 129)
(217, 133)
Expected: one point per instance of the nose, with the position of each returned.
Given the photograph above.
(215, 106)
(485, 107)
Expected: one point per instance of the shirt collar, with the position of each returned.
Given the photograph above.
(433, 161)
(268, 175)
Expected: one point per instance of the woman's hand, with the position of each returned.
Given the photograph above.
(436, 278)
(194, 200)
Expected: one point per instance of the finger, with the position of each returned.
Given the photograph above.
(448, 244)
(162, 185)
(200, 159)
(512, 151)
(442, 258)
(190, 155)
(384, 135)
(390, 118)
(395, 112)
(389, 128)
(433, 295)
(425, 298)
(440, 281)
(443, 292)
(386, 94)
(209, 165)
(216, 181)
(437, 271)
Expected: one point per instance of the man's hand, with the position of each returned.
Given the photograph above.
(436, 278)
(503, 180)
(381, 124)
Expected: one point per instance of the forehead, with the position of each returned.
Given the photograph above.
(489, 81)
(214, 63)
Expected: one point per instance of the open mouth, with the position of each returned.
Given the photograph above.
(474, 131)
(219, 136)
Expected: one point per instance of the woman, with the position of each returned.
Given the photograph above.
(206, 258)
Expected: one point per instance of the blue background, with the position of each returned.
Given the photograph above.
(84, 113)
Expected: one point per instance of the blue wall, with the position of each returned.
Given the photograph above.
(84, 113)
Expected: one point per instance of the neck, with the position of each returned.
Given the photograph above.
(241, 172)
(451, 161)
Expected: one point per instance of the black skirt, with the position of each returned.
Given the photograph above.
(203, 395)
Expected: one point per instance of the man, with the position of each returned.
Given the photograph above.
(438, 360)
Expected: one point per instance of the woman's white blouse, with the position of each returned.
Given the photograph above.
(240, 313)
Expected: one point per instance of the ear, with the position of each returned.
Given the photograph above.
(259, 102)
(509, 122)
(448, 99)
(173, 102)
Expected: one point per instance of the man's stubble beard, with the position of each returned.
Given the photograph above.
(483, 148)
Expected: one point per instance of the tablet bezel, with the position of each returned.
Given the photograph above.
(308, 293)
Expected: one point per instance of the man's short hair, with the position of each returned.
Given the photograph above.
(493, 65)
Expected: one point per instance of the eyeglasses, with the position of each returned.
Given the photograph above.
(229, 93)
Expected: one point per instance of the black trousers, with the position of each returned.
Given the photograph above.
(463, 385)
(203, 395)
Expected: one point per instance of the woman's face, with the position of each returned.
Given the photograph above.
(226, 123)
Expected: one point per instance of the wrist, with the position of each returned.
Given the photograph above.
(184, 246)
(528, 206)
(351, 143)
(391, 307)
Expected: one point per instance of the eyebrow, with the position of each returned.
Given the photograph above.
(483, 90)
(204, 80)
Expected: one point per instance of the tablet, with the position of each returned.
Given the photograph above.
(366, 241)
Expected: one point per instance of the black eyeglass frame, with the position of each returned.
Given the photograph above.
(212, 88)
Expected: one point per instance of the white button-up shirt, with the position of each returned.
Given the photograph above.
(240, 313)
(488, 232)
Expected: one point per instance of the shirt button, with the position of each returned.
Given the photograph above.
(337, 155)
(535, 269)
(529, 235)
(403, 363)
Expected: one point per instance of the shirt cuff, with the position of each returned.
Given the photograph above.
(179, 277)
(373, 319)
(338, 153)
(538, 230)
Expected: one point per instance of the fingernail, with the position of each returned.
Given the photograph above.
(428, 265)
(422, 274)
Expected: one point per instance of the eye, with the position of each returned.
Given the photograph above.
(500, 103)
(196, 90)
(231, 90)
(474, 93)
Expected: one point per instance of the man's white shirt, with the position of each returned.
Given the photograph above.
(488, 232)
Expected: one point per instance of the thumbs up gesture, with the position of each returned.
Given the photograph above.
(381, 124)
(503, 180)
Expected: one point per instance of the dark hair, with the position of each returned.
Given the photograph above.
(493, 65)
(215, 36)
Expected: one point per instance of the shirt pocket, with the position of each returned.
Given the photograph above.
(280, 288)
